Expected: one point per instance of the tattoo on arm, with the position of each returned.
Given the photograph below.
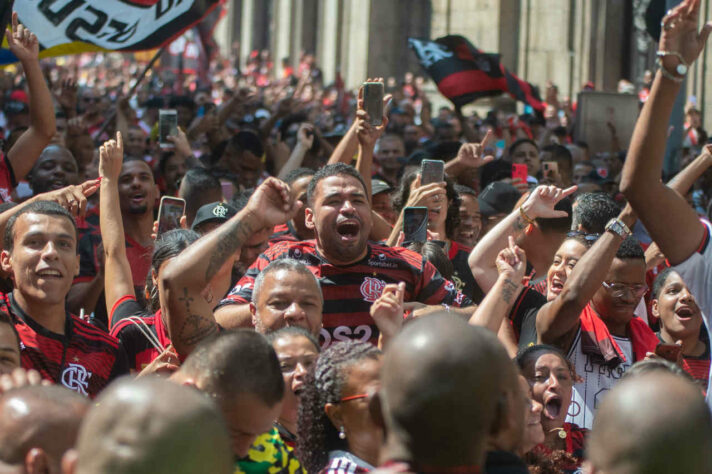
(229, 240)
(519, 224)
(508, 291)
(196, 327)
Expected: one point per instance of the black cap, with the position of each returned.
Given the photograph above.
(379, 186)
(498, 198)
(213, 212)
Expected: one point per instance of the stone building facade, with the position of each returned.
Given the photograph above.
(569, 42)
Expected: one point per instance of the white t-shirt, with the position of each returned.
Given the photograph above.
(696, 271)
(597, 380)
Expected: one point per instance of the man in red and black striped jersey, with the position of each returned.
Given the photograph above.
(40, 254)
(352, 271)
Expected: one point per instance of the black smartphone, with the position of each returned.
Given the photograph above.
(373, 102)
(415, 224)
(432, 171)
(167, 125)
(169, 213)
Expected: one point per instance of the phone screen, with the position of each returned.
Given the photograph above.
(520, 171)
(167, 125)
(169, 213)
(415, 224)
(432, 171)
(373, 101)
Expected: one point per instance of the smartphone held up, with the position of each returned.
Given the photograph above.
(373, 102)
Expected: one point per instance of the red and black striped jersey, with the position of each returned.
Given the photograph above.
(283, 232)
(130, 326)
(697, 366)
(84, 359)
(349, 290)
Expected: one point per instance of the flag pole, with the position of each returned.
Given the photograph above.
(132, 91)
(6, 18)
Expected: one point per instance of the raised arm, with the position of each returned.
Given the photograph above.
(186, 305)
(27, 149)
(540, 203)
(346, 148)
(470, 155)
(305, 139)
(511, 265)
(118, 281)
(683, 181)
(559, 317)
(659, 207)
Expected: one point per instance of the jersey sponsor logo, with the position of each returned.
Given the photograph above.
(239, 288)
(361, 333)
(371, 289)
(382, 262)
(76, 377)
(449, 287)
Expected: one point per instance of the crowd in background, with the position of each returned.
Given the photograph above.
(555, 319)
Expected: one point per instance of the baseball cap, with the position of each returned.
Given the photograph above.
(379, 186)
(498, 198)
(213, 212)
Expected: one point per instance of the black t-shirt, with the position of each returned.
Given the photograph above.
(462, 275)
(523, 315)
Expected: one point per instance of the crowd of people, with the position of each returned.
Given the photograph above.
(555, 322)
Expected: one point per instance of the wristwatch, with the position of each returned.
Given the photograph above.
(619, 228)
(681, 69)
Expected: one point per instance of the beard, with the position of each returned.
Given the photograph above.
(138, 210)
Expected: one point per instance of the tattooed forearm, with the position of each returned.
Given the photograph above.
(509, 290)
(230, 237)
(195, 328)
(519, 224)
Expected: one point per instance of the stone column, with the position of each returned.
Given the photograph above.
(328, 37)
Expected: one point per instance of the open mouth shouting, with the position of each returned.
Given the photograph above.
(685, 313)
(552, 407)
(348, 229)
(556, 286)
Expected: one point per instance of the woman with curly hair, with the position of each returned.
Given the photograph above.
(297, 351)
(443, 204)
(335, 431)
(552, 377)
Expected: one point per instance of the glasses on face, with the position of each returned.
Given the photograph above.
(617, 290)
(587, 237)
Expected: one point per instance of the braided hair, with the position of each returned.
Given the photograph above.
(316, 435)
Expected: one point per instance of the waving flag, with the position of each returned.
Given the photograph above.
(77, 26)
(464, 73)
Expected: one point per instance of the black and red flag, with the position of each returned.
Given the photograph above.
(464, 73)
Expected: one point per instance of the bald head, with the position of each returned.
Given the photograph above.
(39, 421)
(151, 425)
(653, 423)
(442, 383)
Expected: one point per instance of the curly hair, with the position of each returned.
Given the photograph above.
(401, 195)
(316, 435)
